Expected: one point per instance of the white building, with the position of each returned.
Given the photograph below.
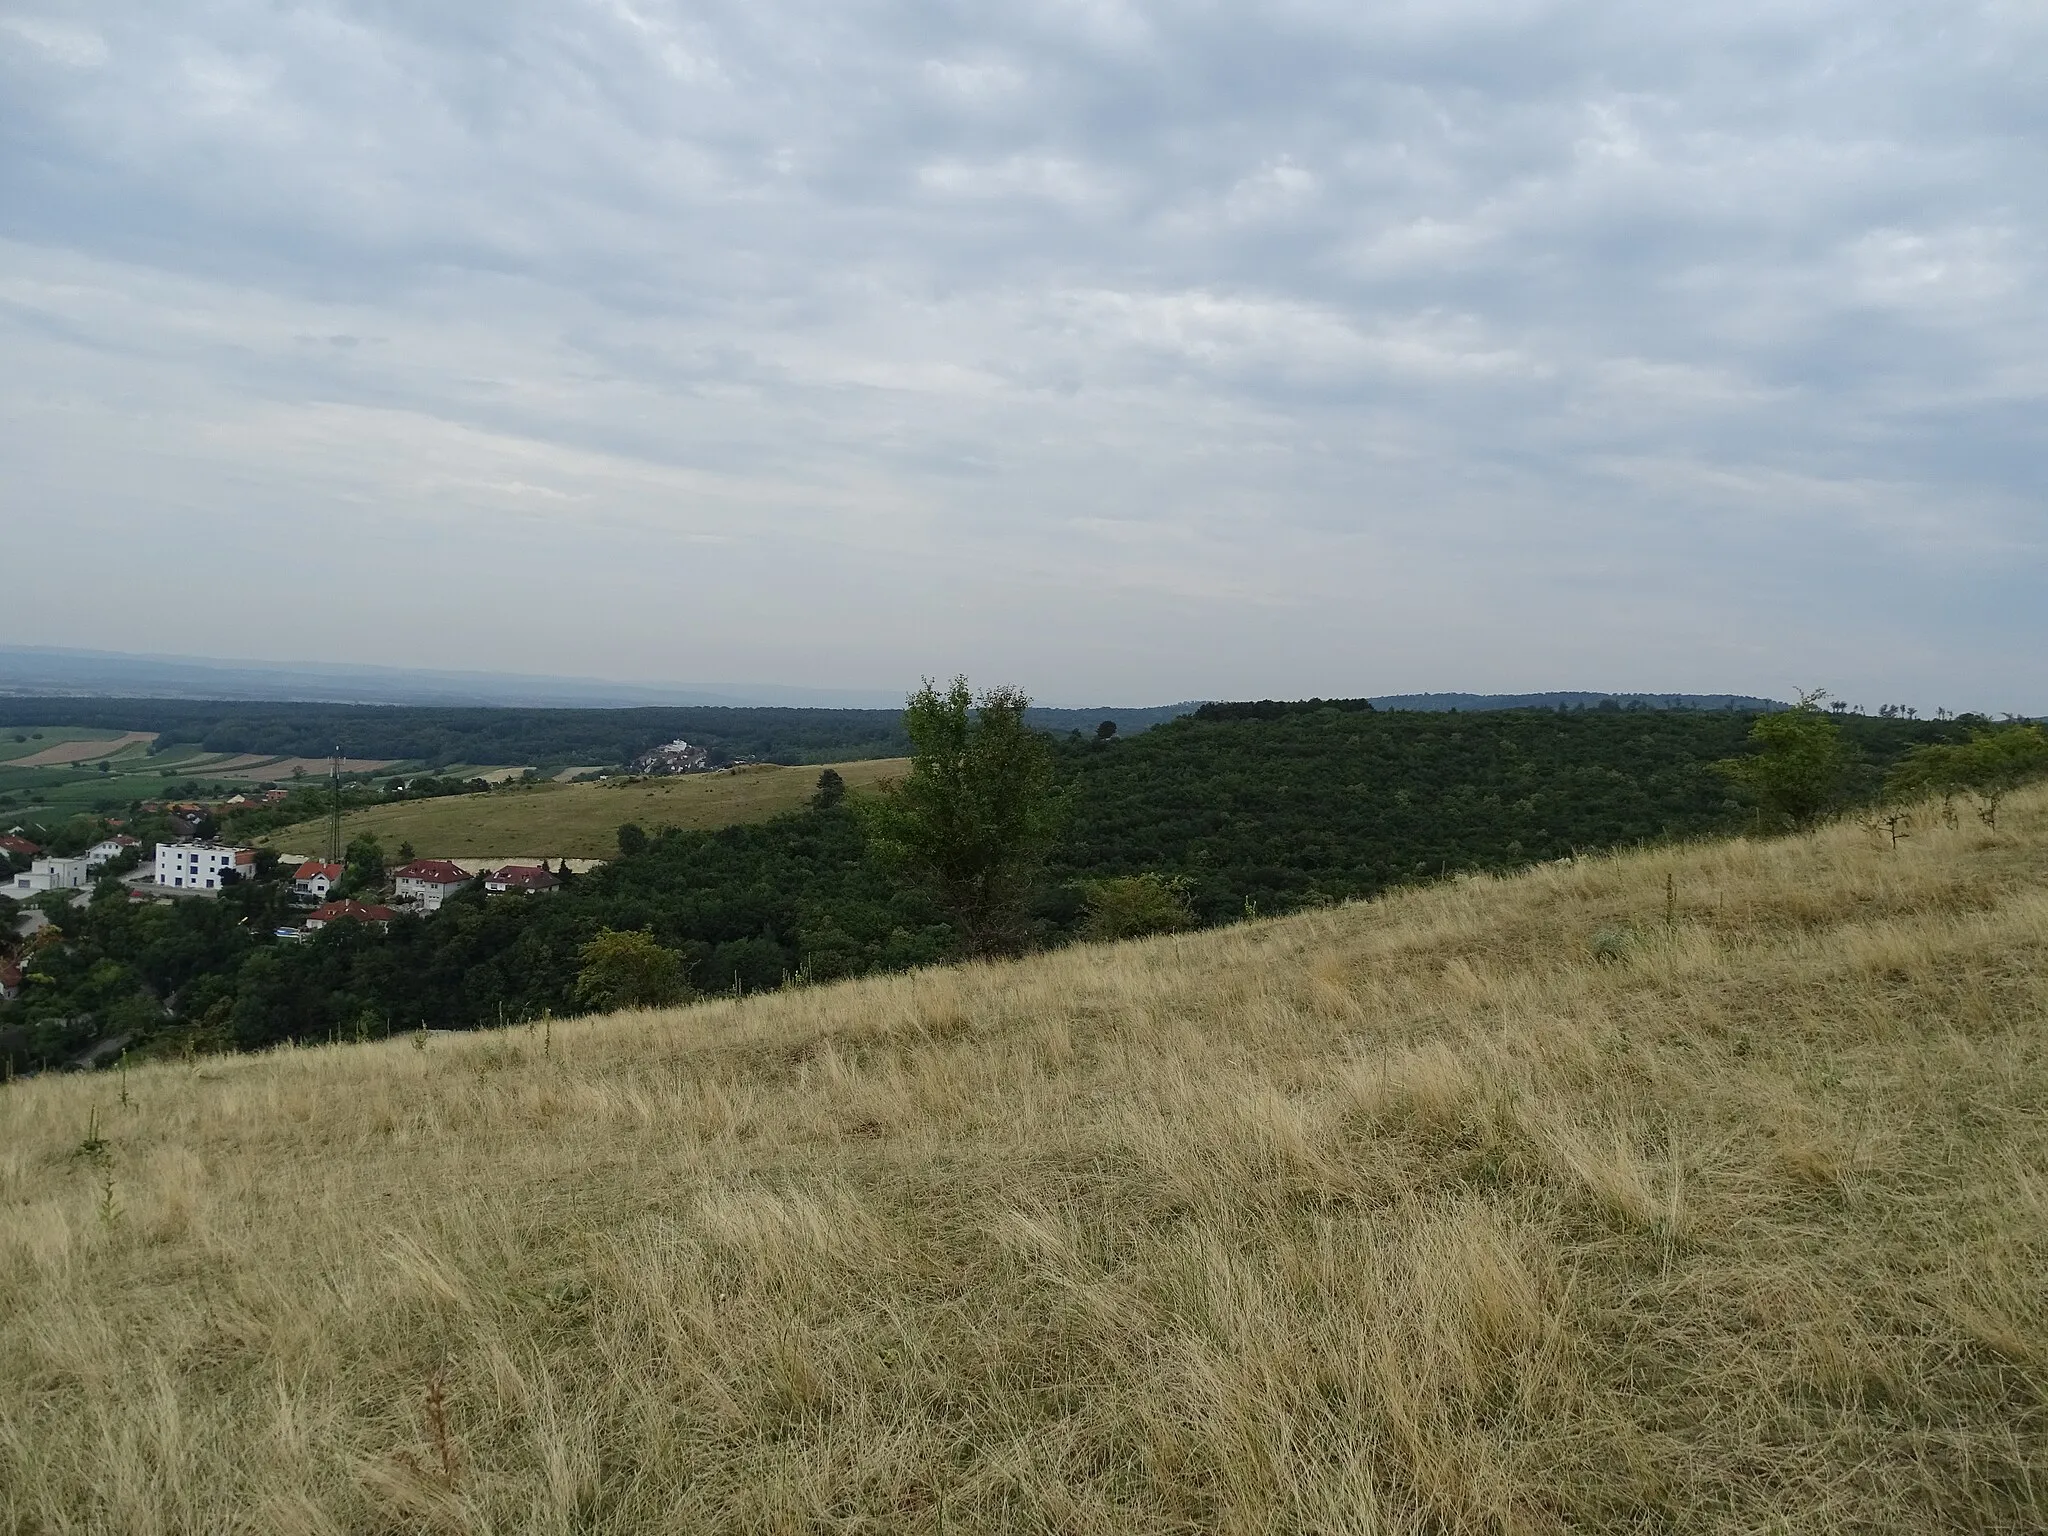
(201, 866)
(315, 879)
(110, 849)
(51, 874)
(428, 882)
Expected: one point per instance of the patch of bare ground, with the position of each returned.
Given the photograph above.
(1700, 1189)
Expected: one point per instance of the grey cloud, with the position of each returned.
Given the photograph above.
(1148, 349)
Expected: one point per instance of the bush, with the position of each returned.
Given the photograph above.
(1131, 905)
(628, 970)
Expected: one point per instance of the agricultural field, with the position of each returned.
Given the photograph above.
(582, 820)
(1700, 1188)
(48, 746)
(55, 771)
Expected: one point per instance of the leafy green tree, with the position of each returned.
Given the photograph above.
(363, 864)
(632, 840)
(628, 970)
(1106, 732)
(978, 813)
(831, 789)
(1800, 766)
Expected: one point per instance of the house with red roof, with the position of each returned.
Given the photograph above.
(315, 879)
(20, 847)
(428, 882)
(10, 980)
(520, 880)
(346, 912)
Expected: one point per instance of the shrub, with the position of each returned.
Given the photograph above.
(628, 970)
(1130, 905)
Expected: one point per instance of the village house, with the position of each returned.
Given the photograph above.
(347, 911)
(10, 981)
(20, 847)
(428, 882)
(51, 874)
(520, 880)
(194, 866)
(314, 880)
(109, 849)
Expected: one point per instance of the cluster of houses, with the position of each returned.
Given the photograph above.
(198, 867)
(56, 872)
(673, 757)
(421, 886)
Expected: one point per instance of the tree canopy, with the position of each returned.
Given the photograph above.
(977, 814)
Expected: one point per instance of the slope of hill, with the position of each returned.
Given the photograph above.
(581, 821)
(1698, 1189)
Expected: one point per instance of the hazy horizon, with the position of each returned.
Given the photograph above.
(29, 672)
(1114, 349)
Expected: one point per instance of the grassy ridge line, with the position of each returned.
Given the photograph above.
(1414, 1215)
(582, 820)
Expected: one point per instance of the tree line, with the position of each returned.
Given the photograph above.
(1000, 838)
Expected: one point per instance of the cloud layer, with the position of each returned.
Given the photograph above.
(1129, 351)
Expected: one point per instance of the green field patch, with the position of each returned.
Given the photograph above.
(582, 820)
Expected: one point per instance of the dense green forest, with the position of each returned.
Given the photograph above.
(1329, 802)
(438, 736)
(1240, 813)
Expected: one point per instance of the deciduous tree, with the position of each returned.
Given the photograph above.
(978, 812)
(1800, 765)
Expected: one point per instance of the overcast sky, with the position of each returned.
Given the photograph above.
(1130, 352)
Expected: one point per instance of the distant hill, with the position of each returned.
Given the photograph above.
(437, 735)
(61, 672)
(1739, 702)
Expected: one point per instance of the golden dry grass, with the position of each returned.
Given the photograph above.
(581, 821)
(1412, 1216)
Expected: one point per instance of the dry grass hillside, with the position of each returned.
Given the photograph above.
(1702, 1190)
(581, 821)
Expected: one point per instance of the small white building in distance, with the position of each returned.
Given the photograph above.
(428, 882)
(110, 849)
(200, 866)
(315, 879)
(51, 874)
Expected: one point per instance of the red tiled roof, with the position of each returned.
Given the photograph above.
(354, 910)
(433, 871)
(524, 876)
(313, 868)
(10, 974)
(20, 845)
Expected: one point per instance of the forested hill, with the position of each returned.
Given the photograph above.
(1239, 814)
(1339, 802)
(483, 734)
(1489, 701)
